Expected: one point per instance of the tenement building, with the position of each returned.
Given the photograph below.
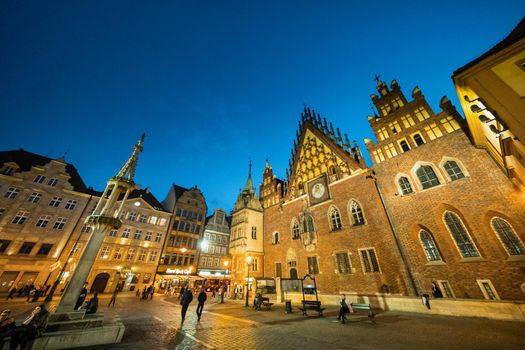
(41, 202)
(432, 207)
(129, 256)
(246, 241)
(214, 260)
(180, 256)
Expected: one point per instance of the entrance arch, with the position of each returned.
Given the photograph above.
(293, 273)
(100, 282)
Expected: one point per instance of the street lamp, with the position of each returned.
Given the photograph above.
(248, 263)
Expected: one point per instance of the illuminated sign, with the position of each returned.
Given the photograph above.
(179, 271)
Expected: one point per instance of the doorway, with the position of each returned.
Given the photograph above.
(100, 282)
(293, 273)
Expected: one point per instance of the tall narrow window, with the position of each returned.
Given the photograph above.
(429, 246)
(335, 219)
(308, 224)
(357, 214)
(488, 290)
(418, 139)
(275, 238)
(295, 230)
(427, 177)
(369, 259)
(254, 232)
(104, 252)
(446, 288)
(405, 186)
(453, 170)
(117, 255)
(461, 236)
(278, 270)
(343, 263)
(313, 267)
(404, 146)
(507, 236)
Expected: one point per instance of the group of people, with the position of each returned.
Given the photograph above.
(237, 292)
(30, 291)
(185, 300)
(24, 334)
(147, 292)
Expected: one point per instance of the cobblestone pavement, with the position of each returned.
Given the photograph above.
(154, 325)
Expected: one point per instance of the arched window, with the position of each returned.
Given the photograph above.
(429, 246)
(275, 238)
(404, 146)
(461, 236)
(418, 139)
(508, 236)
(296, 234)
(308, 224)
(335, 219)
(357, 214)
(404, 184)
(427, 176)
(453, 170)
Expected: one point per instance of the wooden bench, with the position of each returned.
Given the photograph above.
(371, 314)
(266, 303)
(312, 305)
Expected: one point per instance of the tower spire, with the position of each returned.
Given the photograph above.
(128, 169)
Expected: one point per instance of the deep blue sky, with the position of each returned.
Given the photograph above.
(213, 83)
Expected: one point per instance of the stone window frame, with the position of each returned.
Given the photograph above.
(518, 242)
(483, 283)
(336, 262)
(153, 255)
(350, 214)
(436, 170)
(280, 269)
(117, 253)
(390, 150)
(130, 254)
(34, 197)
(60, 223)
(55, 202)
(316, 257)
(275, 238)
(468, 235)
(458, 162)
(294, 223)
(427, 248)
(12, 192)
(413, 135)
(104, 252)
(331, 210)
(42, 221)
(20, 217)
(39, 179)
(446, 289)
(399, 143)
(71, 204)
(52, 182)
(363, 265)
(398, 186)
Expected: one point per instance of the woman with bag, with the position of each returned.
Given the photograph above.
(343, 310)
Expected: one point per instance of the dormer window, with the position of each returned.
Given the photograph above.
(397, 103)
(8, 170)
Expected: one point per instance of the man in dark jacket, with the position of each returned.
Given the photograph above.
(185, 301)
(201, 299)
(81, 297)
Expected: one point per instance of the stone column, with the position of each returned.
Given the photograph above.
(101, 226)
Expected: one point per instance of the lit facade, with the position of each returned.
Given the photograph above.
(214, 261)
(491, 90)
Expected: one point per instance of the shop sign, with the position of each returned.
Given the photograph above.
(179, 271)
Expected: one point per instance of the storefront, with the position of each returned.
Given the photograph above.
(171, 280)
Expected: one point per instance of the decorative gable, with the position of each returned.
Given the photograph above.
(319, 151)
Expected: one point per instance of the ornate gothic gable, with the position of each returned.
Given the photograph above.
(318, 150)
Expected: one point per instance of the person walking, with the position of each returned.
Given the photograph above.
(81, 297)
(343, 309)
(185, 301)
(11, 292)
(113, 297)
(201, 299)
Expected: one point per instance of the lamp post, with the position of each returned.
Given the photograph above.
(248, 263)
(226, 262)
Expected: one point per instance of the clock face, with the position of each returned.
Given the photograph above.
(318, 190)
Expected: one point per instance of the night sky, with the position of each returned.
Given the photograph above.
(213, 83)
